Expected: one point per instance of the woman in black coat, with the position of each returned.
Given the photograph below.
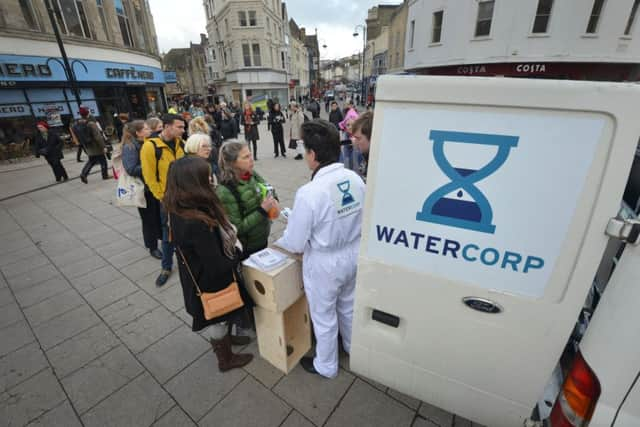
(207, 250)
(275, 122)
(49, 145)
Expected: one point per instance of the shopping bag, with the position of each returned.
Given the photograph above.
(130, 191)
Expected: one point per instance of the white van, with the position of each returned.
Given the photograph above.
(490, 204)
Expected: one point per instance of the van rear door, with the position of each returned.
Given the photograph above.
(487, 201)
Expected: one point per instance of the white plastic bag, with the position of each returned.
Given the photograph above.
(130, 191)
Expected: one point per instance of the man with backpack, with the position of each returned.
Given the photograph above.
(156, 155)
(89, 136)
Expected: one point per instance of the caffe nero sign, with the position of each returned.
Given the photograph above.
(21, 68)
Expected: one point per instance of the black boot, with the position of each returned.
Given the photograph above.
(227, 360)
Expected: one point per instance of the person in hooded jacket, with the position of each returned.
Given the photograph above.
(49, 144)
(88, 133)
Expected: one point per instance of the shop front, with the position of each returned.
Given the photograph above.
(34, 88)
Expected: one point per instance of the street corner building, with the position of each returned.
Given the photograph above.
(111, 47)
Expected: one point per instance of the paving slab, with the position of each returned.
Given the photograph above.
(148, 282)
(15, 336)
(142, 268)
(311, 395)
(53, 307)
(128, 256)
(250, 404)
(83, 267)
(110, 293)
(201, 386)
(139, 403)
(9, 315)
(363, 405)
(115, 248)
(60, 416)
(95, 279)
(78, 253)
(19, 255)
(20, 365)
(65, 326)
(97, 380)
(423, 422)
(127, 309)
(171, 297)
(149, 328)
(436, 415)
(173, 353)
(33, 277)
(260, 369)
(21, 266)
(30, 399)
(176, 417)
(409, 401)
(6, 296)
(76, 352)
(459, 421)
(295, 419)
(32, 295)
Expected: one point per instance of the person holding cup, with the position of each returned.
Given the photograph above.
(248, 200)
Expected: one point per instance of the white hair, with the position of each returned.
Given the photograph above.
(195, 141)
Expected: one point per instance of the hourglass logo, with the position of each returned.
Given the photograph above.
(440, 207)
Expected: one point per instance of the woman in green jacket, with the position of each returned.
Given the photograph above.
(245, 197)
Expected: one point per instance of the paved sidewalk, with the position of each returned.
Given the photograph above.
(86, 338)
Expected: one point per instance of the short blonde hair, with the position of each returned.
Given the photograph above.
(198, 125)
(195, 141)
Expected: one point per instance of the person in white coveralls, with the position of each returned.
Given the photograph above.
(325, 225)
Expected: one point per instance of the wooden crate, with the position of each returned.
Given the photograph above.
(277, 289)
(283, 338)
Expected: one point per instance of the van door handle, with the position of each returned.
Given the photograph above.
(386, 318)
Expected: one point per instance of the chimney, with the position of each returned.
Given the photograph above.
(303, 33)
(203, 39)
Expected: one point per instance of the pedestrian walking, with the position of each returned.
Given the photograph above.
(250, 120)
(325, 225)
(49, 144)
(335, 116)
(208, 255)
(156, 155)
(227, 122)
(243, 195)
(276, 121)
(295, 128)
(133, 137)
(350, 116)
(87, 132)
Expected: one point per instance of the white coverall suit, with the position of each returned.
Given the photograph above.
(325, 225)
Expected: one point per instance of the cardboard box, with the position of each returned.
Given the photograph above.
(283, 338)
(277, 289)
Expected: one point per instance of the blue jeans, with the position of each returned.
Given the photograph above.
(346, 156)
(167, 246)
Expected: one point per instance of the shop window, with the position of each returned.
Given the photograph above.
(123, 21)
(246, 55)
(103, 19)
(27, 13)
(543, 15)
(226, 25)
(436, 34)
(242, 18)
(485, 15)
(632, 18)
(252, 18)
(57, 11)
(594, 18)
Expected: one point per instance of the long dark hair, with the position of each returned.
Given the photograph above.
(189, 194)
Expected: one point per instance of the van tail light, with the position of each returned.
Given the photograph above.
(578, 396)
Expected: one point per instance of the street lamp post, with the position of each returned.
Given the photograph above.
(68, 69)
(364, 45)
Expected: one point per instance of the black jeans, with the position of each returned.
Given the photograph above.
(58, 170)
(278, 142)
(93, 160)
(150, 216)
(255, 148)
(79, 153)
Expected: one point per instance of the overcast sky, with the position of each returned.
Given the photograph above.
(178, 22)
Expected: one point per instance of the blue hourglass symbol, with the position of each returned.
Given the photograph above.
(347, 197)
(474, 215)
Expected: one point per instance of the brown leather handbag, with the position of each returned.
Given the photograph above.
(216, 304)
